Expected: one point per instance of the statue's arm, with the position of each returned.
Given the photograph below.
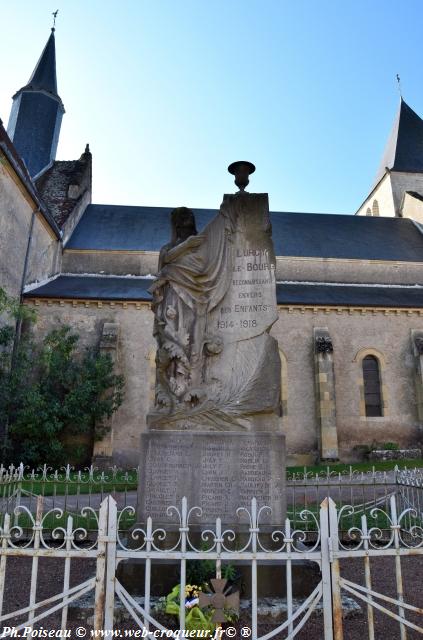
(190, 243)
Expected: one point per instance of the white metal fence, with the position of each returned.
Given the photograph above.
(382, 534)
(72, 490)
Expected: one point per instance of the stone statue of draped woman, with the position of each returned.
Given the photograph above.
(195, 273)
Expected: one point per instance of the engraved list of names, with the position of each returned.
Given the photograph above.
(218, 472)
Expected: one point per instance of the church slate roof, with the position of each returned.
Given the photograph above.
(94, 288)
(36, 115)
(292, 293)
(124, 228)
(115, 227)
(404, 149)
(44, 76)
(349, 295)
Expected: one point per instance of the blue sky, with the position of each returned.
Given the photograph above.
(168, 93)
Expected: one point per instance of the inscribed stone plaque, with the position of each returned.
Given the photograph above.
(218, 472)
(249, 306)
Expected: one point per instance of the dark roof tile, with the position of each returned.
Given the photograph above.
(121, 288)
(94, 288)
(44, 77)
(404, 149)
(349, 296)
(114, 227)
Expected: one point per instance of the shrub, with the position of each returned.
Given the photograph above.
(52, 394)
(390, 446)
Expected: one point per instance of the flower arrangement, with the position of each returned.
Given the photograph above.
(195, 618)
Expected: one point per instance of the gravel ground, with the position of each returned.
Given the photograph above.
(355, 628)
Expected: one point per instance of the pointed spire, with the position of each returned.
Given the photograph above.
(404, 149)
(44, 75)
(36, 115)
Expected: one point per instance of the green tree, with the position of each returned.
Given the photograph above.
(11, 312)
(52, 393)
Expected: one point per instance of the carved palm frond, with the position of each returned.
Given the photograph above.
(230, 400)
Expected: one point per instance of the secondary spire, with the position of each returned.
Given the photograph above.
(404, 149)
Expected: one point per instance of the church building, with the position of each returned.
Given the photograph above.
(349, 287)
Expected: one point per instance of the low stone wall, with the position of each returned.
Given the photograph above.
(395, 454)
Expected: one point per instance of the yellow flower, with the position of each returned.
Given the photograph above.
(192, 590)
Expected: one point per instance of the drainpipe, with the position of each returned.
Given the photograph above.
(18, 325)
(24, 274)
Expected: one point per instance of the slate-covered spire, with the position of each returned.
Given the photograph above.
(36, 115)
(44, 74)
(404, 149)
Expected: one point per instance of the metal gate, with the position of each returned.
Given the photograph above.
(394, 536)
(402, 537)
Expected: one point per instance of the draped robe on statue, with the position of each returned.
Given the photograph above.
(194, 277)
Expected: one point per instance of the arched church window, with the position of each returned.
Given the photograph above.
(375, 208)
(368, 212)
(372, 387)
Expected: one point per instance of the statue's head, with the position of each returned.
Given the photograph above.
(183, 224)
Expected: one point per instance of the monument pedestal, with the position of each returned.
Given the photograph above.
(218, 471)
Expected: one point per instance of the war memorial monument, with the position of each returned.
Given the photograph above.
(214, 434)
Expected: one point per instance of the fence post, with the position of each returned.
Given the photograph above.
(20, 479)
(338, 632)
(395, 527)
(147, 578)
(37, 528)
(326, 585)
(183, 529)
(367, 575)
(109, 602)
(100, 577)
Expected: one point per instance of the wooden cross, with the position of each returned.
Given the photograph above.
(219, 600)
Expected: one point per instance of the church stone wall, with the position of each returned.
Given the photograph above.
(287, 268)
(44, 255)
(16, 213)
(385, 334)
(15, 221)
(136, 349)
(402, 182)
(121, 263)
(384, 197)
(348, 271)
(81, 204)
(390, 192)
(413, 208)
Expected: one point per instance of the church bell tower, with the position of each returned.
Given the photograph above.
(36, 115)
